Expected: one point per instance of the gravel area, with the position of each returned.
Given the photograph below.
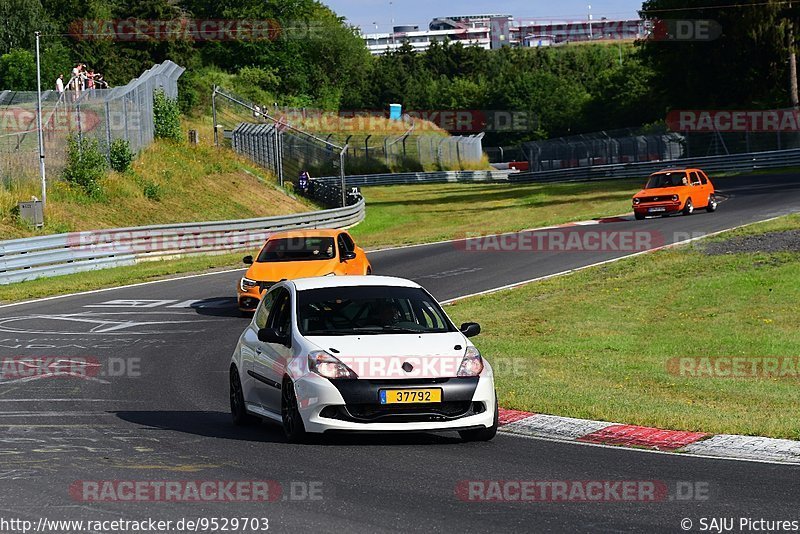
(786, 241)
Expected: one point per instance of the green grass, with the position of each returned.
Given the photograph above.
(169, 182)
(596, 344)
(406, 214)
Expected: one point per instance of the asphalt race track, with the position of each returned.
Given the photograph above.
(147, 400)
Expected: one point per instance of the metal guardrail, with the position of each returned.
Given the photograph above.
(728, 163)
(37, 257)
(437, 177)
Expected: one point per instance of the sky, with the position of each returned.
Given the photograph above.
(420, 12)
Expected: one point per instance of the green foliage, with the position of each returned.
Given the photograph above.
(152, 191)
(166, 117)
(21, 19)
(746, 66)
(121, 155)
(18, 70)
(86, 165)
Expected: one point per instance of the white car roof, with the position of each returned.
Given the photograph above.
(351, 281)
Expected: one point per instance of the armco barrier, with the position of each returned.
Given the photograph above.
(729, 163)
(437, 177)
(732, 163)
(37, 257)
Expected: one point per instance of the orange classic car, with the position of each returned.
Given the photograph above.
(675, 190)
(299, 254)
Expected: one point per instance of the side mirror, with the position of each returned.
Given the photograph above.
(348, 256)
(270, 335)
(470, 329)
(247, 260)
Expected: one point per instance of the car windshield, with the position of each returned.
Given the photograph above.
(297, 249)
(369, 310)
(666, 179)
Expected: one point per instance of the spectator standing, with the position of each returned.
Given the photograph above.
(90, 82)
(60, 85)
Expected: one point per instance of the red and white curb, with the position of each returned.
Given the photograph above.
(615, 434)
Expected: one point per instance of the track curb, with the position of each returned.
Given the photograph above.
(723, 446)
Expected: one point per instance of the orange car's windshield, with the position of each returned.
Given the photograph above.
(671, 179)
(297, 249)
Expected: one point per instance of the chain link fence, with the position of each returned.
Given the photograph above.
(124, 112)
(651, 144)
(281, 148)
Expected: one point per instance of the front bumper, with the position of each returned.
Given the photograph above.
(354, 405)
(660, 208)
(249, 300)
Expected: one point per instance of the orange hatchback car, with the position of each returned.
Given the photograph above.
(673, 191)
(299, 254)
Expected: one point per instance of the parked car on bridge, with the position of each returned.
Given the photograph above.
(358, 353)
(673, 191)
(299, 254)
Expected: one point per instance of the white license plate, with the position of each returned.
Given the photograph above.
(656, 210)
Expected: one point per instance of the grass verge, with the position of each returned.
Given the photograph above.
(597, 344)
(404, 214)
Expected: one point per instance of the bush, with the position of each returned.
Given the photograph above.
(86, 165)
(121, 155)
(166, 117)
(152, 191)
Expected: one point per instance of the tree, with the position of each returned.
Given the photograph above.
(19, 20)
(18, 70)
(745, 66)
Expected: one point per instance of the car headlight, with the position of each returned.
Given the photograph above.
(472, 364)
(675, 198)
(246, 284)
(328, 366)
(636, 201)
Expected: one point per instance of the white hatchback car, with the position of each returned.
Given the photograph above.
(360, 353)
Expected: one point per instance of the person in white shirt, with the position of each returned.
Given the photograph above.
(60, 84)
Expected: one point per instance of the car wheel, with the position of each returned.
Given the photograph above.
(483, 434)
(688, 209)
(712, 204)
(238, 410)
(290, 414)
(639, 216)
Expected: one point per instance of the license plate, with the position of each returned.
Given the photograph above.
(410, 396)
(654, 210)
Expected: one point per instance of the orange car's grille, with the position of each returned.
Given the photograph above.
(263, 286)
(663, 198)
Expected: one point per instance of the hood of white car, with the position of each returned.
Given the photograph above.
(392, 355)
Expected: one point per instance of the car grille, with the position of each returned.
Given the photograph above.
(664, 198)
(381, 413)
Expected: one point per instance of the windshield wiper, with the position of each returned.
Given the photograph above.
(402, 330)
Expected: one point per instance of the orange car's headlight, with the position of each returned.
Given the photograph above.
(675, 198)
(246, 284)
(636, 201)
